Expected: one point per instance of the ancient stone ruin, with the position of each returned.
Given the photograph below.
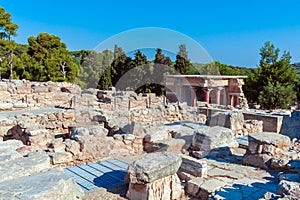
(163, 150)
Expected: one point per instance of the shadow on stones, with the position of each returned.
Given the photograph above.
(224, 154)
(255, 190)
(113, 182)
(184, 123)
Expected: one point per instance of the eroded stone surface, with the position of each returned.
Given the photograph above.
(52, 184)
(191, 168)
(24, 166)
(168, 188)
(209, 138)
(153, 166)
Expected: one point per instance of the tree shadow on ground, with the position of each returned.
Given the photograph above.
(252, 191)
(113, 182)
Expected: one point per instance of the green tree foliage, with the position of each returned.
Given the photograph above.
(182, 63)
(203, 69)
(120, 66)
(7, 30)
(118, 51)
(141, 73)
(275, 95)
(277, 75)
(105, 80)
(162, 65)
(50, 59)
(90, 69)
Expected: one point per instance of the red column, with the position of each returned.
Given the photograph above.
(218, 95)
(193, 96)
(207, 91)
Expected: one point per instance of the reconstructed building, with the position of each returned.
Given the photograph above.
(215, 89)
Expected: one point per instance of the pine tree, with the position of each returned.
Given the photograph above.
(182, 62)
(48, 54)
(7, 31)
(275, 78)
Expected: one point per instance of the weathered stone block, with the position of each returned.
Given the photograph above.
(23, 90)
(24, 166)
(52, 184)
(202, 189)
(208, 138)
(41, 89)
(168, 188)
(6, 106)
(157, 136)
(3, 86)
(193, 167)
(233, 120)
(289, 188)
(153, 166)
(4, 96)
(266, 142)
(257, 160)
(61, 157)
(20, 105)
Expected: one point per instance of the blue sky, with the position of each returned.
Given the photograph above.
(230, 31)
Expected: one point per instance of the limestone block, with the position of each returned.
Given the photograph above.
(8, 150)
(3, 86)
(169, 145)
(202, 189)
(257, 160)
(40, 89)
(69, 115)
(52, 184)
(278, 164)
(208, 138)
(192, 166)
(158, 136)
(233, 120)
(6, 106)
(153, 166)
(4, 96)
(167, 188)
(40, 138)
(57, 145)
(263, 142)
(289, 188)
(24, 166)
(20, 105)
(61, 157)
(23, 90)
(73, 147)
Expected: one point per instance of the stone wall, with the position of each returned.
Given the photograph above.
(23, 94)
(270, 123)
(291, 125)
(234, 120)
(170, 113)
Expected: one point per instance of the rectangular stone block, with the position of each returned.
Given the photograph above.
(23, 90)
(194, 167)
(165, 188)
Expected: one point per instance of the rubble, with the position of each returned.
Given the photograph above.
(265, 146)
(168, 145)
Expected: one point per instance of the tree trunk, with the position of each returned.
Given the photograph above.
(10, 61)
(11, 65)
(63, 65)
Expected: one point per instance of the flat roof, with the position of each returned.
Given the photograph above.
(206, 76)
